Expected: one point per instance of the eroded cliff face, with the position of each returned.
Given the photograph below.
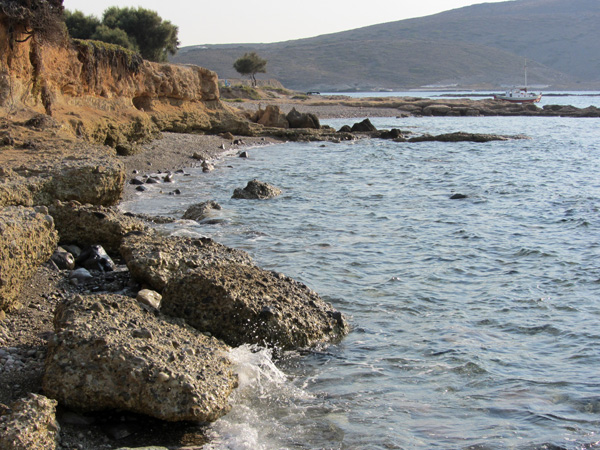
(106, 94)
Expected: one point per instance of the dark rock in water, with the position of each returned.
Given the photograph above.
(168, 178)
(302, 120)
(207, 167)
(238, 142)
(177, 192)
(96, 258)
(345, 129)
(460, 136)
(201, 211)
(364, 126)
(244, 155)
(394, 133)
(63, 259)
(152, 180)
(458, 196)
(141, 188)
(256, 190)
(136, 181)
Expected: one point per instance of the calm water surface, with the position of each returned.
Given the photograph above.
(476, 322)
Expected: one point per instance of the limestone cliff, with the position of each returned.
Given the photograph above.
(107, 94)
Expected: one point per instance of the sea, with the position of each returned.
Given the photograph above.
(475, 321)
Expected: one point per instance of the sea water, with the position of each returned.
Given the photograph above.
(475, 322)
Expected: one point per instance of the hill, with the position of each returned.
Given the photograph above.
(482, 46)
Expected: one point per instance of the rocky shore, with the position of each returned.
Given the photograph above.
(111, 334)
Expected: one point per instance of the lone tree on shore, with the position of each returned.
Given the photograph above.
(137, 29)
(250, 64)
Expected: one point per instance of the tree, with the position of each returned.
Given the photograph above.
(153, 36)
(81, 26)
(250, 64)
(136, 29)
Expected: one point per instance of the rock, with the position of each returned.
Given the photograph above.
(87, 225)
(458, 196)
(28, 240)
(152, 180)
(200, 156)
(136, 181)
(96, 258)
(207, 167)
(155, 260)
(80, 276)
(272, 116)
(227, 135)
(256, 190)
(243, 304)
(460, 136)
(168, 178)
(302, 120)
(244, 154)
(30, 425)
(149, 297)
(72, 249)
(201, 211)
(108, 353)
(364, 126)
(345, 129)
(63, 259)
(394, 133)
(141, 188)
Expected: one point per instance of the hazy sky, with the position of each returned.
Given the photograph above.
(250, 21)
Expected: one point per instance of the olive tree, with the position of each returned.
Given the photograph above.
(250, 64)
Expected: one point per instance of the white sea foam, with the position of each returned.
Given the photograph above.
(253, 422)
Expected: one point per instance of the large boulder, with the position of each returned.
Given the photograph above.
(110, 352)
(256, 190)
(363, 127)
(155, 260)
(30, 424)
(86, 225)
(28, 240)
(297, 119)
(98, 181)
(244, 304)
(272, 116)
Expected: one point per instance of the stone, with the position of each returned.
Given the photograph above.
(63, 259)
(302, 120)
(96, 258)
(244, 154)
(244, 304)
(154, 260)
(80, 276)
(136, 181)
(460, 136)
(86, 225)
(207, 167)
(30, 425)
(272, 116)
(149, 297)
(256, 190)
(201, 211)
(28, 240)
(362, 127)
(458, 196)
(108, 353)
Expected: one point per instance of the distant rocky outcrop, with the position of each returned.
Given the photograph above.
(460, 136)
(256, 190)
(28, 240)
(109, 352)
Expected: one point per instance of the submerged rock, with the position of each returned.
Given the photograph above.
(109, 352)
(256, 190)
(201, 211)
(461, 136)
(244, 304)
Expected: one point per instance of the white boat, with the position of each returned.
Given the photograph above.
(520, 95)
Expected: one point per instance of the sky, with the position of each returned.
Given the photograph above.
(266, 21)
